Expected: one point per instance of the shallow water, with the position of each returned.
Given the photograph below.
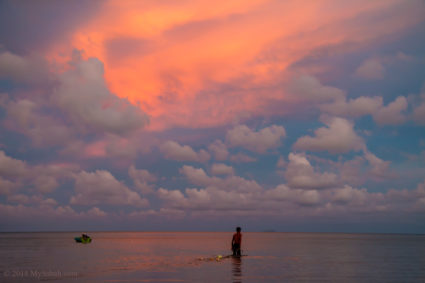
(191, 257)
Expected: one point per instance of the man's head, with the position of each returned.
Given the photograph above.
(238, 229)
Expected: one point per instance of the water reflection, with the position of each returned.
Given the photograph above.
(236, 269)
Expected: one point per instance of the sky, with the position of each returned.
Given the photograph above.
(292, 116)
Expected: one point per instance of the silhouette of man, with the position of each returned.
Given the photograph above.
(237, 242)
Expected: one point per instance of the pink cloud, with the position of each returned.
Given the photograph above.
(182, 77)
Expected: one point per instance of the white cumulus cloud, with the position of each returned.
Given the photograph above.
(174, 151)
(392, 113)
(219, 150)
(101, 187)
(222, 169)
(309, 88)
(370, 69)
(300, 174)
(142, 179)
(261, 141)
(338, 137)
(84, 96)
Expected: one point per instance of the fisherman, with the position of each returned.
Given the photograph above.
(237, 242)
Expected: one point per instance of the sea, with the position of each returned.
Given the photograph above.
(204, 257)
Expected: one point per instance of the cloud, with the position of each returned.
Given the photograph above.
(36, 200)
(301, 175)
(6, 186)
(25, 116)
(392, 113)
(91, 113)
(319, 194)
(338, 137)
(407, 199)
(370, 69)
(209, 199)
(174, 151)
(354, 107)
(18, 198)
(352, 171)
(45, 178)
(261, 141)
(72, 105)
(142, 179)
(198, 177)
(27, 36)
(84, 96)
(31, 70)
(221, 169)
(10, 167)
(241, 158)
(172, 196)
(219, 150)
(298, 196)
(46, 184)
(95, 211)
(281, 163)
(383, 115)
(26, 214)
(419, 110)
(419, 114)
(379, 168)
(310, 89)
(350, 195)
(177, 82)
(101, 187)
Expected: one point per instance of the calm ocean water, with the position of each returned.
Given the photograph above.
(190, 257)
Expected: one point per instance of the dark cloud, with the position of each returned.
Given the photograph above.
(27, 26)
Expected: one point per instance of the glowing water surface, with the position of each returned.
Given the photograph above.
(192, 257)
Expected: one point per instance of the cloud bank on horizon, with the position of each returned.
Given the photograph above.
(165, 115)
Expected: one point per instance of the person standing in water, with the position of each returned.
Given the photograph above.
(237, 242)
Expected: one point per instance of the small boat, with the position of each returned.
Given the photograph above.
(83, 239)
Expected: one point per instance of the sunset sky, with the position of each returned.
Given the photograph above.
(200, 115)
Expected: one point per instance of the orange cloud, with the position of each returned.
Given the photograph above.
(198, 64)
